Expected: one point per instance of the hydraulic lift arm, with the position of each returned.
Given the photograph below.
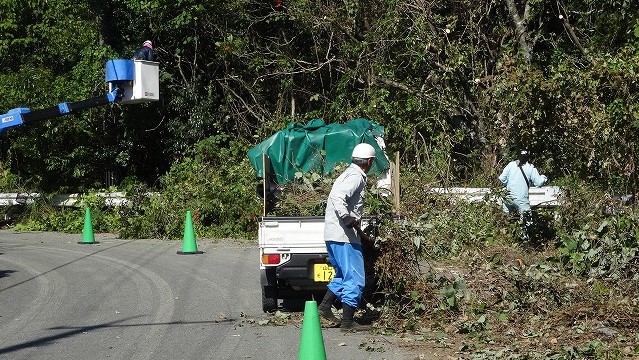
(19, 116)
(130, 82)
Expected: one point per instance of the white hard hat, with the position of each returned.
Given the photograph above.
(364, 151)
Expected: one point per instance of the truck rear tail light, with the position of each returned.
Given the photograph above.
(270, 259)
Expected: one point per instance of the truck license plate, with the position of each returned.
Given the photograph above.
(323, 272)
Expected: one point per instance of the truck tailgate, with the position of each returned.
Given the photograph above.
(300, 235)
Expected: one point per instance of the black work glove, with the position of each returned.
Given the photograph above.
(349, 221)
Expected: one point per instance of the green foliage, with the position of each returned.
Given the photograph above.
(219, 195)
(407, 295)
(447, 80)
(448, 226)
(306, 196)
(608, 251)
(104, 218)
(41, 215)
(599, 236)
(451, 294)
(8, 181)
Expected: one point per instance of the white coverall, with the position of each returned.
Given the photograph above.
(517, 187)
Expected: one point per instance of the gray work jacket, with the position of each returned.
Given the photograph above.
(346, 198)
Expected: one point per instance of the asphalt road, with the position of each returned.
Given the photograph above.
(138, 299)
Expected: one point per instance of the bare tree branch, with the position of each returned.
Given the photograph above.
(564, 18)
(241, 100)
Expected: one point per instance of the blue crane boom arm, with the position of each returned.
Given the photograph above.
(19, 116)
(131, 81)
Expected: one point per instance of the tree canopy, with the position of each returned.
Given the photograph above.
(458, 84)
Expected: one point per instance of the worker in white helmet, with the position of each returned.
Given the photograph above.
(343, 215)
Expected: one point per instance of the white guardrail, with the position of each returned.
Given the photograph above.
(73, 200)
(545, 196)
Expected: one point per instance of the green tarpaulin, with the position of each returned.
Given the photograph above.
(316, 146)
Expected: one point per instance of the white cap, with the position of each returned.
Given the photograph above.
(364, 151)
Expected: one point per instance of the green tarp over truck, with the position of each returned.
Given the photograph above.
(318, 147)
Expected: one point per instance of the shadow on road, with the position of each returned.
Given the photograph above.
(72, 331)
(58, 267)
(5, 273)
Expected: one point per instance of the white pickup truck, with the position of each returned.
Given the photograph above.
(293, 258)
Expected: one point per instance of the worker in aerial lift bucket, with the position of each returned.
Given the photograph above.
(145, 52)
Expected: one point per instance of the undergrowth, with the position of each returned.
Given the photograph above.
(461, 270)
(220, 195)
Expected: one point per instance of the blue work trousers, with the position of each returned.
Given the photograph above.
(349, 280)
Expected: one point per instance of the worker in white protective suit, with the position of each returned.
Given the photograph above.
(518, 176)
(342, 235)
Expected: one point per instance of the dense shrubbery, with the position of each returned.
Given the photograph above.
(220, 194)
(466, 271)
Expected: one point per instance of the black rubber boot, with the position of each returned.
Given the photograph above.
(348, 324)
(325, 309)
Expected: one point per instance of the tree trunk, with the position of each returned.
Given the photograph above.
(520, 28)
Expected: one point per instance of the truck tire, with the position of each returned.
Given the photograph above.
(269, 299)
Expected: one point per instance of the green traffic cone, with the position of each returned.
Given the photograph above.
(311, 342)
(87, 233)
(189, 246)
